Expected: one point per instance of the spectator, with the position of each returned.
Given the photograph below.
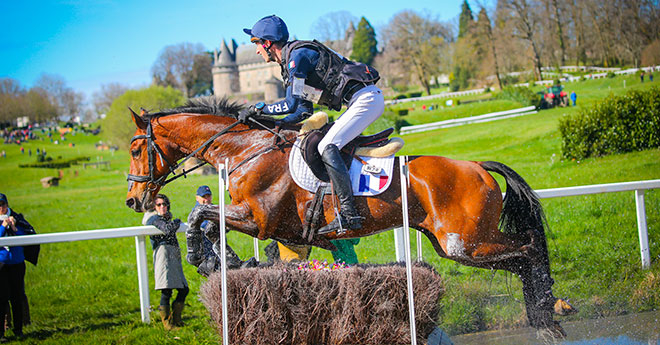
(641, 76)
(12, 269)
(573, 97)
(168, 272)
(211, 261)
(4, 154)
(651, 76)
(345, 251)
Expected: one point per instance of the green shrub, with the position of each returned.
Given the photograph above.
(49, 163)
(520, 94)
(402, 112)
(414, 94)
(611, 75)
(618, 124)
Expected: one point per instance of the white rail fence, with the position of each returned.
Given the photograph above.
(141, 232)
(466, 120)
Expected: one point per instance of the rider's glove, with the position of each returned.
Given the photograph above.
(250, 111)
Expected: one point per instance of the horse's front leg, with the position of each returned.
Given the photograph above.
(195, 252)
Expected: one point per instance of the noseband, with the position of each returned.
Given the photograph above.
(163, 180)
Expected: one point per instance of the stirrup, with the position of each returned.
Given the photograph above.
(342, 223)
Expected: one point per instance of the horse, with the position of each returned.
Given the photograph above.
(457, 204)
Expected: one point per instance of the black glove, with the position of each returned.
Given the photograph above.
(166, 227)
(247, 113)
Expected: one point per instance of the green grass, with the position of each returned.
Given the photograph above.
(87, 292)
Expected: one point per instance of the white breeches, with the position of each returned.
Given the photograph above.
(365, 107)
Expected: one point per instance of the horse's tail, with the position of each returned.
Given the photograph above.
(521, 210)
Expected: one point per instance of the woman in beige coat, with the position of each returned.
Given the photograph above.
(168, 272)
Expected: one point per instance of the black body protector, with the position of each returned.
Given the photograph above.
(326, 85)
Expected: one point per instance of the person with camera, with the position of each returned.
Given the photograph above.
(12, 268)
(168, 271)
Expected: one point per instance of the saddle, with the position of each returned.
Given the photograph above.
(375, 145)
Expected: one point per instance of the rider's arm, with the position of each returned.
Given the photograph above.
(300, 63)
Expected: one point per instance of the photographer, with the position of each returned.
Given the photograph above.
(12, 267)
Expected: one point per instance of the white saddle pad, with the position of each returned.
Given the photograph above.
(367, 180)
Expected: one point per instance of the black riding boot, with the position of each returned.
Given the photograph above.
(348, 216)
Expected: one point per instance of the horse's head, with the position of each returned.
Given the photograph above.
(150, 157)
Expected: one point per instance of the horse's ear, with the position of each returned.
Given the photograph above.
(138, 120)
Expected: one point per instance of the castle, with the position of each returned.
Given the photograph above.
(239, 73)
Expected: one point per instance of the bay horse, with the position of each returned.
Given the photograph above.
(458, 205)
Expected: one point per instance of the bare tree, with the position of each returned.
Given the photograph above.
(418, 42)
(174, 66)
(332, 26)
(103, 98)
(525, 15)
(334, 29)
(68, 101)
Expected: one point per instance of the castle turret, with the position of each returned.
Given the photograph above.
(225, 71)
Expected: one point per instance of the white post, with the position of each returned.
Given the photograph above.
(642, 229)
(406, 233)
(143, 276)
(399, 245)
(419, 247)
(256, 248)
(222, 179)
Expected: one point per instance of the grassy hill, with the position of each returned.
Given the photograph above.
(87, 292)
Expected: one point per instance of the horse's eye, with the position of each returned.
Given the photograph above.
(135, 153)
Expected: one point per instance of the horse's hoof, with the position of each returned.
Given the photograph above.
(551, 333)
(563, 308)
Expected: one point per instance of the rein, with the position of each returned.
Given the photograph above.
(163, 180)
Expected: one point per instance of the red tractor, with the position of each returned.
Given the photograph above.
(554, 96)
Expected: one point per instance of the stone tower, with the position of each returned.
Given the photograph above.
(225, 70)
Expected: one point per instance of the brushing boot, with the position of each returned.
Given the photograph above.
(349, 218)
(177, 309)
(164, 311)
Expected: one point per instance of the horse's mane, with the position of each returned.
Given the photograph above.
(212, 105)
(219, 106)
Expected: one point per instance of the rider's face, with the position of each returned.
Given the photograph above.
(261, 50)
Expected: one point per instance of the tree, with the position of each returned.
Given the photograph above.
(174, 66)
(103, 98)
(418, 44)
(484, 32)
(332, 26)
(526, 20)
(202, 76)
(364, 43)
(464, 19)
(68, 101)
(15, 102)
(117, 124)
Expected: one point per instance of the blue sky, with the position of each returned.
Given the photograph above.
(95, 42)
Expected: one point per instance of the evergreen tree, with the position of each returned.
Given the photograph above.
(364, 43)
(465, 19)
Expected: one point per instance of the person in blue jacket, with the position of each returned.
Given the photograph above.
(211, 261)
(313, 73)
(12, 267)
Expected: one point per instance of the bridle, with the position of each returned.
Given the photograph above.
(153, 149)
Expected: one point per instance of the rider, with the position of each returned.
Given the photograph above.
(314, 73)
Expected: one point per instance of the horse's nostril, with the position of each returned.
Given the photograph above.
(130, 202)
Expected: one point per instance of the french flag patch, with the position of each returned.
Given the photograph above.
(369, 182)
(292, 64)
